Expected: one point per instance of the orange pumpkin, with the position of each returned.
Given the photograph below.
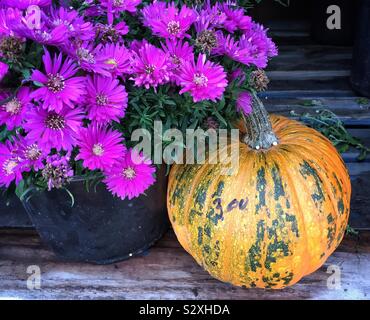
(277, 220)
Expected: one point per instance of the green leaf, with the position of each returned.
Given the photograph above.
(26, 74)
(219, 117)
(363, 101)
(38, 84)
(362, 155)
(71, 196)
(20, 189)
(351, 231)
(342, 147)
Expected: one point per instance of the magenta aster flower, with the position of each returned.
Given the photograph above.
(136, 45)
(10, 168)
(100, 147)
(12, 112)
(168, 22)
(204, 80)
(4, 68)
(121, 5)
(121, 28)
(59, 86)
(30, 154)
(112, 33)
(244, 102)
(93, 10)
(54, 130)
(150, 66)
(228, 46)
(131, 177)
(209, 17)
(24, 4)
(89, 58)
(179, 52)
(106, 99)
(153, 12)
(253, 47)
(257, 35)
(237, 75)
(39, 31)
(4, 29)
(76, 26)
(116, 58)
(57, 171)
(235, 18)
(7, 15)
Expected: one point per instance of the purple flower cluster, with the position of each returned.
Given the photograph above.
(52, 116)
(218, 28)
(65, 111)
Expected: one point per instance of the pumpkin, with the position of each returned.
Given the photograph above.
(275, 221)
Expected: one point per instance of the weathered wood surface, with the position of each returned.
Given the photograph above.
(166, 271)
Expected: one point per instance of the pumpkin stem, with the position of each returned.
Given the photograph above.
(259, 133)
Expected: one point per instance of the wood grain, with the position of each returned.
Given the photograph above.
(164, 272)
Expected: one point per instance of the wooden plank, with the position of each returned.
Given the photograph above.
(314, 85)
(356, 117)
(317, 50)
(282, 38)
(165, 272)
(289, 34)
(308, 58)
(288, 25)
(304, 93)
(341, 104)
(352, 157)
(360, 120)
(307, 75)
(360, 201)
(358, 169)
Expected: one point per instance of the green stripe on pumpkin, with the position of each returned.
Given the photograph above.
(261, 189)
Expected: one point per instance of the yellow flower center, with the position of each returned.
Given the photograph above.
(112, 62)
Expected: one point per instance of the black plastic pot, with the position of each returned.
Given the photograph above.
(320, 33)
(12, 213)
(360, 75)
(99, 228)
